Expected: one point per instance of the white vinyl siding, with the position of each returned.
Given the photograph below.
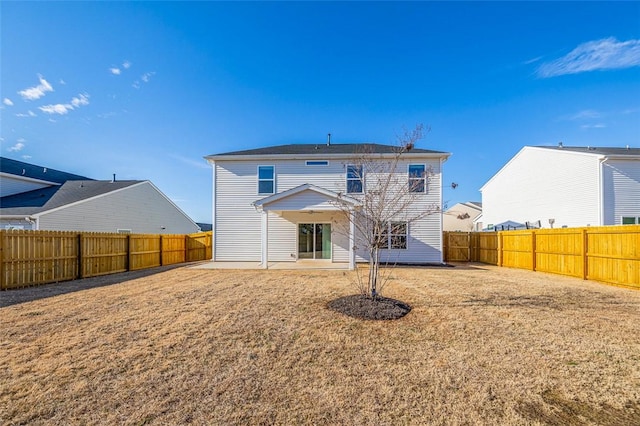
(621, 188)
(238, 224)
(283, 234)
(140, 208)
(542, 184)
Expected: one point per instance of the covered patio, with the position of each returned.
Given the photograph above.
(315, 203)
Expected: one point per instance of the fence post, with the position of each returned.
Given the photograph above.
(161, 252)
(128, 261)
(585, 251)
(80, 257)
(533, 250)
(2, 244)
(499, 248)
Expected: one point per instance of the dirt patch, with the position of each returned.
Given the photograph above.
(364, 307)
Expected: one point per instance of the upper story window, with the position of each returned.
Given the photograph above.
(266, 179)
(317, 163)
(355, 179)
(630, 220)
(417, 178)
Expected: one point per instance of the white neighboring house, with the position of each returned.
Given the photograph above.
(280, 204)
(39, 198)
(462, 217)
(565, 187)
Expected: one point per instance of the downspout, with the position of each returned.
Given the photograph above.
(213, 212)
(601, 161)
(440, 215)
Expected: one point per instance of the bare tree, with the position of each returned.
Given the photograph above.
(387, 195)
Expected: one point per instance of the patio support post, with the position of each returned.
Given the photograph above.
(352, 252)
(265, 239)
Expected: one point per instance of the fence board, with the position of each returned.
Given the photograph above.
(610, 254)
(30, 258)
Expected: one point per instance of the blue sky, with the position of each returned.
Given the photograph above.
(146, 89)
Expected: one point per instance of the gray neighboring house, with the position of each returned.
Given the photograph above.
(40, 198)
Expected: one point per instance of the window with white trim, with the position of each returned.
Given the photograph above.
(266, 180)
(398, 235)
(392, 235)
(355, 179)
(417, 178)
(630, 220)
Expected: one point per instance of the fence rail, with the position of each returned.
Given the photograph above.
(609, 254)
(30, 258)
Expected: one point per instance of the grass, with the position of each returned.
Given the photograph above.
(482, 345)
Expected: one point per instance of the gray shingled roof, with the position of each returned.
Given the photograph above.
(324, 149)
(596, 150)
(40, 200)
(33, 171)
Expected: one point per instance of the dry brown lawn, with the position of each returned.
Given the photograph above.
(482, 345)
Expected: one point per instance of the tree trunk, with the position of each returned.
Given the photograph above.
(374, 265)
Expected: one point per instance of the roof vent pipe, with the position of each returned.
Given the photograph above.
(328, 139)
(114, 178)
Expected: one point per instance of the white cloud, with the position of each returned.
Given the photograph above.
(585, 114)
(146, 76)
(26, 157)
(36, 92)
(145, 79)
(531, 61)
(28, 114)
(82, 99)
(115, 71)
(593, 126)
(56, 109)
(7, 102)
(62, 109)
(17, 147)
(604, 54)
(126, 65)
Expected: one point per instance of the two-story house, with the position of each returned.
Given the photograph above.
(565, 186)
(285, 203)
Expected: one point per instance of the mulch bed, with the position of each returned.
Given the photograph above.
(364, 307)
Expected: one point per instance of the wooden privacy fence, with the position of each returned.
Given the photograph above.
(609, 254)
(39, 257)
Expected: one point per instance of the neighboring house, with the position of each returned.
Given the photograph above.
(565, 187)
(280, 204)
(40, 198)
(462, 217)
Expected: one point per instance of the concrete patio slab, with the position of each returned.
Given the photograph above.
(300, 264)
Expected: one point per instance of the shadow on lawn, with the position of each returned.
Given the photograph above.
(29, 294)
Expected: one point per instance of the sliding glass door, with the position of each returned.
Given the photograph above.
(314, 241)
